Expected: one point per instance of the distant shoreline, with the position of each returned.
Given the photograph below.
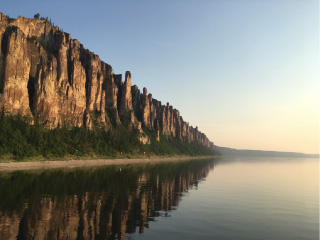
(263, 153)
(16, 166)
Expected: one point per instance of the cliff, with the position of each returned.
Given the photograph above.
(46, 74)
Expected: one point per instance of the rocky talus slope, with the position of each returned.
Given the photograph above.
(44, 73)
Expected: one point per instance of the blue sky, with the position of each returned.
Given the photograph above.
(245, 72)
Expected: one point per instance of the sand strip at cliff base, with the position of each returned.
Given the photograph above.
(13, 166)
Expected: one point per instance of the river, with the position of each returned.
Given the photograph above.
(221, 198)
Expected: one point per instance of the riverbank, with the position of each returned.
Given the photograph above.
(14, 166)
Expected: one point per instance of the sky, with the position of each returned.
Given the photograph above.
(246, 72)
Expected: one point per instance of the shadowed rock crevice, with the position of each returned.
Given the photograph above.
(70, 67)
(84, 59)
(31, 93)
(4, 43)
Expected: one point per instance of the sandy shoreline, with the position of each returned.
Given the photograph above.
(14, 166)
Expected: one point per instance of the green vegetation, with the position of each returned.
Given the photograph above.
(169, 145)
(22, 140)
(10, 20)
(47, 46)
(37, 16)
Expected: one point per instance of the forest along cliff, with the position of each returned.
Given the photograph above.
(44, 73)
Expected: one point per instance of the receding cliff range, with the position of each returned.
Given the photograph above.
(47, 75)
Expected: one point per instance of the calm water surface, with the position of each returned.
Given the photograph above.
(226, 198)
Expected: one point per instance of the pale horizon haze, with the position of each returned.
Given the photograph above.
(245, 72)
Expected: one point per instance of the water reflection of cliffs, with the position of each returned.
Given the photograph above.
(103, 203)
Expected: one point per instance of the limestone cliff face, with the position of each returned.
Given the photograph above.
(126, 97)
(15, 71)
(44, 73)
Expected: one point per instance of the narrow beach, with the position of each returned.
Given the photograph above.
(14, 166)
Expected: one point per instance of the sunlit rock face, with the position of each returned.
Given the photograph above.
(126, 97)
(15, 71)
(44, 73)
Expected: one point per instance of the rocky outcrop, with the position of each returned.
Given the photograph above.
(126, 97)
(146, 119)
(15, 71)
(44, 73)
